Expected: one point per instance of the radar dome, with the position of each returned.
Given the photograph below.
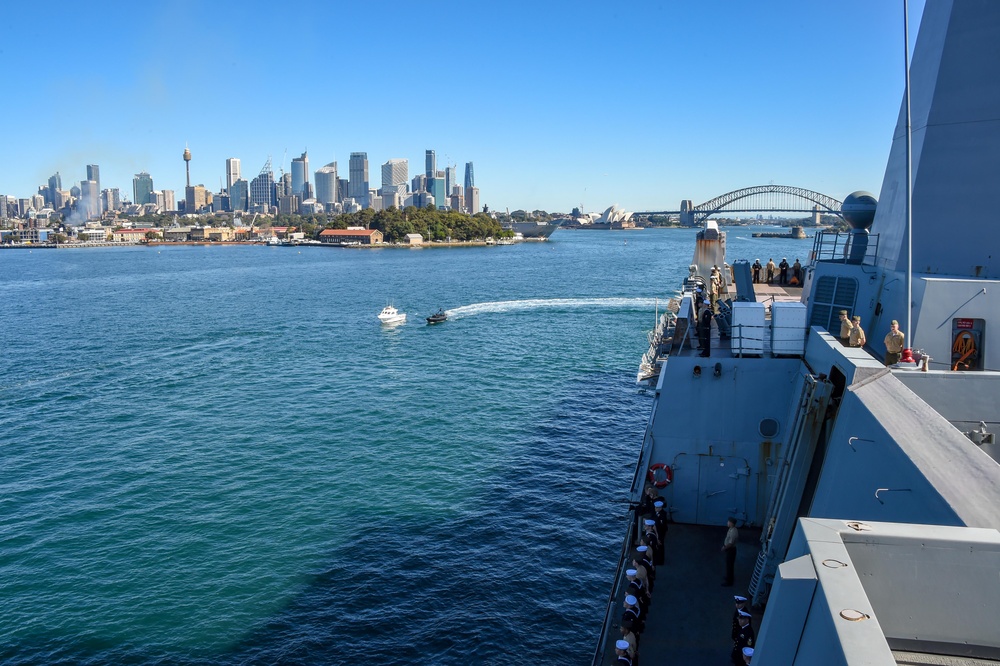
(858, 209)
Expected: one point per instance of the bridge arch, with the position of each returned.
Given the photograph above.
(769, 197)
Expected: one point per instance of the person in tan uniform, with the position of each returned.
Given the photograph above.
(857, 338)
(845, 329)
(894, 341)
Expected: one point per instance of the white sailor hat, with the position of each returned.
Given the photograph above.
(649, 521)
(747, 652)
(738, 598)
(658, 504)
(631, 601)
(642, 549)
(743, 613)
(630, 572)
(705, 302)
(622, 644)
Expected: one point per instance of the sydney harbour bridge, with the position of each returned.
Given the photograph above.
(756, 199)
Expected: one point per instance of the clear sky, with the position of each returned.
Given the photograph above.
(558, 104)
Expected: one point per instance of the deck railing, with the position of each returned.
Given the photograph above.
(845, 247)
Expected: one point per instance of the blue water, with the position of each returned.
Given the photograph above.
(217, 455)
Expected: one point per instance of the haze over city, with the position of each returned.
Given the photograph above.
(558, 105)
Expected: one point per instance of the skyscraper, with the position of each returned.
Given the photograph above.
(239, 195)
(326, 185)
(430, 164)
(142, 188)
(470, 176)
(472, 199)
(358, 187)
(450, 179)
(395, 173)
(94, 174)
(300, 175)
(55, 184)
(232, 172)
(435, 186)
(90, 199)
(262, 187)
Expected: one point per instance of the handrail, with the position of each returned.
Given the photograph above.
(609, 612)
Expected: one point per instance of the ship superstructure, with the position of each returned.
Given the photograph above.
(872, 493)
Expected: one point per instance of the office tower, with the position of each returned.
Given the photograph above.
(157, 199)
(450, 179)
(169, 201)
(196, 199)
(90, 199)
(55, 184)
(232, 172)
(430, 164)
(300, 175)
(395, 173)
(419, 183)
(38, 202)
(326, 185)
(239, 195)
(470, 176)
(94, 174)
(283, 186)
(111, 199)
(457, 199)
(142, 186)
(472, 199)
(342, 184)
(4, 207)
(357, 187)
(435, 186)
(262, 187)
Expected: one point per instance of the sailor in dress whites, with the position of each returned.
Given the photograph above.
(745, 638)
(621, 653)
(633, 613)
(646, 562)
(654, 540)
(637, 589)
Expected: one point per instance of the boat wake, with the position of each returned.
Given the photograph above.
(499, 307)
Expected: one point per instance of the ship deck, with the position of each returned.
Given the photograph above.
(691, 613)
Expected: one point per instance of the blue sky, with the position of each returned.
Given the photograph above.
(558, 104)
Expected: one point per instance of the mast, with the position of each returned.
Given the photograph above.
(907, 354)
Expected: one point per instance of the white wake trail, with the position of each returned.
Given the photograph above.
(499, 307)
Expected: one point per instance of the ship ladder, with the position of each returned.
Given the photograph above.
(758, 570)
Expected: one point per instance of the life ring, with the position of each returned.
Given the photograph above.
(668, 475)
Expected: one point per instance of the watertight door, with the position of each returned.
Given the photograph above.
(722, 483)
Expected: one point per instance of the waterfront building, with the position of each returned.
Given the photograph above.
(142, 186)
(300, 175)
(430, 164)
(472, 199)
(362, 236)
(232, 172)
(90, 199)
(239, 194)
(470, 176)
(395, 173)
(357, 188)
(326, 185)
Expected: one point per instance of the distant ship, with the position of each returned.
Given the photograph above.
(534, 230)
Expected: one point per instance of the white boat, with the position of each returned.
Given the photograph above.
(391, 315)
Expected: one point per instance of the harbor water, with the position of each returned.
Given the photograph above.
(217, 454)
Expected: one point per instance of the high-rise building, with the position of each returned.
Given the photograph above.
(142, 187)
(55, 185)
(169, 201)
(430, 163)
(300, 175)
(196, 198)
(232, 172)
(435, 186)
(395, 173)
(450, 179)
(470, 176)
(457, 199)
(357, 188)
(342, 186)
(239, 195)
(262, 187)
(419, 183)
(326, 185)
(94, 174)
(111, 199)
(90, 199)
(4, 207)
(472, 199)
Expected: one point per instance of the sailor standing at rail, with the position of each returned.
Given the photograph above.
(637, 589)
(629, 637)
(621, 652)
(744, 639)
(660, 516)
(845, 329)
(633, 613)
(646, 561)
(655, 540)
(769, 270)
(783, 271)
(756, 271)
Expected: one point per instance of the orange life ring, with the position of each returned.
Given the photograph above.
(668, 475)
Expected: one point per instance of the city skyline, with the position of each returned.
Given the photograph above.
(591, 107)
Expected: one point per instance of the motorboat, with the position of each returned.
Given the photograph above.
(438, 317)
(390, 315)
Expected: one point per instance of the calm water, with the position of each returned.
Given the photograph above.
(217, 455)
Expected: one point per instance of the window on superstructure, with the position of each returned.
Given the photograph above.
(831, 295)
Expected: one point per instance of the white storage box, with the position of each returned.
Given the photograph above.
(788, 329)
(748, 328)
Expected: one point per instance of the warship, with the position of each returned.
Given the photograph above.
(866, 490)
